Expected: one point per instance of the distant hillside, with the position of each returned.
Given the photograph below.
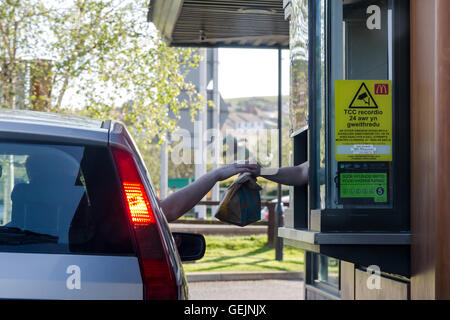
(264, 103)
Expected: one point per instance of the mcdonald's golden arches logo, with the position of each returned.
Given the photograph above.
(382, 89)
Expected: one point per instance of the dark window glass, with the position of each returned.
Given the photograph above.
(60, 199)
(360, 48)
(327, 273)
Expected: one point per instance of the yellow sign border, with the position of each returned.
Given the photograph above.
(363, 129)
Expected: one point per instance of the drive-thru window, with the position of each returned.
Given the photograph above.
(369, 112)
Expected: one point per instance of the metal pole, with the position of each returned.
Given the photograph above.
(279, 208)
(164, 171)
(216, 124)
(200, 129)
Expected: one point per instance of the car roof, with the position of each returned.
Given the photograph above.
(51, 127)
(49, 118)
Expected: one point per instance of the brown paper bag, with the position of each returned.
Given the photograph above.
(241, 204)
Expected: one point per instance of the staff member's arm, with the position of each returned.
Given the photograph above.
(187, 198)
(289, 176)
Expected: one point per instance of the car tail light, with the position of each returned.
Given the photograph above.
(141, 213)
(157, 273)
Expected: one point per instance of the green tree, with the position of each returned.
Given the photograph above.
(96, 58)
(19, 35)
(118, 62)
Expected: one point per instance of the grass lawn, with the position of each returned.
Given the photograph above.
(244, 253)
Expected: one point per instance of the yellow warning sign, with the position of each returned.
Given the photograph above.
(363, 120)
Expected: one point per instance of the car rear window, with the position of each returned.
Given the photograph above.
(60, 199)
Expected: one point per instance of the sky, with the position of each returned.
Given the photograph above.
(251, 72)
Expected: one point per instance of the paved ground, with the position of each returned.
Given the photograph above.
(248, 290)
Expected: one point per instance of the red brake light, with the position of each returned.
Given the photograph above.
(157, 273)
(138, 206)
(140, 211)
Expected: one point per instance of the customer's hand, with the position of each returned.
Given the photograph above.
(230, 170)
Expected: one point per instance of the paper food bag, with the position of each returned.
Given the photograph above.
(241, 205)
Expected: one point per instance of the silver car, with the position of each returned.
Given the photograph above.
(79, 217)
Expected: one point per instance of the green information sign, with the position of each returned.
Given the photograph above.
(179, 183)
(364, 186)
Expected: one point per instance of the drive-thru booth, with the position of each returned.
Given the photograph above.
(369, 112)
(354, 128)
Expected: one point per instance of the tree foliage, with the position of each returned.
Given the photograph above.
(17, 45)
(97, 58)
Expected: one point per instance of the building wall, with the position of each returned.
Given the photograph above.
(430, 149)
